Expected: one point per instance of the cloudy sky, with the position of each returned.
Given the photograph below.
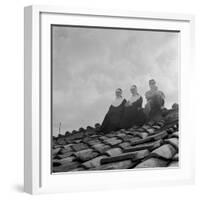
(90, 63)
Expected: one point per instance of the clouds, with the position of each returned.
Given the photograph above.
(89, 64)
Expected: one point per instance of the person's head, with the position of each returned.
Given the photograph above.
(118, 92)
(152, 84)
(133, 89)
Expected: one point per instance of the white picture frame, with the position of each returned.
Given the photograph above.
(37, 138)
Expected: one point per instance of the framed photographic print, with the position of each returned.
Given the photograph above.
(106, 99)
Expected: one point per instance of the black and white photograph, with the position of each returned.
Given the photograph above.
(114, 98)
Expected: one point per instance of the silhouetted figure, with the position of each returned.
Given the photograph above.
(155, 102)
(112, 119)
(133, 113)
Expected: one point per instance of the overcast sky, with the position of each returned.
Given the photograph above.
(90, 63)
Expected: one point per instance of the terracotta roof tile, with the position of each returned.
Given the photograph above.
(55, 151)
(173, 142)
(79, 147)
(113, 141)
(66, 150)
(176, 157)
(120, 134)
(141, 129)
(173, 164)
(166, 151)
(143, 135)
(68, 166)
(65, 155)
(170, 130)
(95, 162)
(123, 145)
(150, 130)
(61, 141)
(146, 126)
(86, 154)
(114, 151)
(93, 142)
(175, 134)
(86, 139)
(115, 165)
(152, 162)
(103, 138)
(111, 134)
(134, 139)
(74, 136)
(68, 147)
(127, 137)
(156, 127)
(101, 148)
(57, 146)
(161, 123)
(64, 160)
(78, 169)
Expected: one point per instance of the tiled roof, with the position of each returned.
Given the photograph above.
(154, 144)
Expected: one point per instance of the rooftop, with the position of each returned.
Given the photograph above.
(154, 144)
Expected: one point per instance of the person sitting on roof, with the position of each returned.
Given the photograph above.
(155, 102)
(133, 112)
(112, 119)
